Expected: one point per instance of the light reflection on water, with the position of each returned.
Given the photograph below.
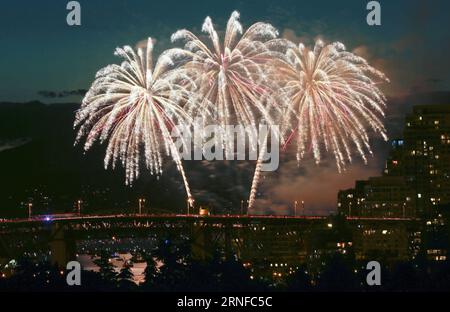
(121, 251)
(137, 268)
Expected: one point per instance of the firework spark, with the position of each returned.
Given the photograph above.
(134, 107)
(231, 74)
(327, 97)
(330, 98)
(334, 98)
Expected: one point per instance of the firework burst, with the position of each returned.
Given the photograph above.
(231, 75)
(134, 107)
(328, 98)
(331, 99)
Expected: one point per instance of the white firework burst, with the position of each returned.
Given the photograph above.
(230, 74)
(134, 107)
(331, 98)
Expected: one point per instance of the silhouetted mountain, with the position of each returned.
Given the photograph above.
(39, 163)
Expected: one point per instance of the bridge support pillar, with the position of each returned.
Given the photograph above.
(4, 253)
(62, 248)
(228, 242)
(201, 246)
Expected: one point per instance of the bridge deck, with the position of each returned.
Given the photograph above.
(182, 217)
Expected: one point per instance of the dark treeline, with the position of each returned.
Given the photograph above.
(180, 272)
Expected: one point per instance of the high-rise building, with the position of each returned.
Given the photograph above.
(426, 156)
(416, 177)
(378, 197)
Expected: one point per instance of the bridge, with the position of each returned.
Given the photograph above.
(73, 218)
(254, 239)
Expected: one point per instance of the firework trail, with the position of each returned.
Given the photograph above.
(330, 97)
(231, 75)
(134, 107)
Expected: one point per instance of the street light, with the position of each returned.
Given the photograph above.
(30, 206)
(295, 208)
(242, 206)
(79, 202)
(303, 207)
(141, 203)
(190, 203)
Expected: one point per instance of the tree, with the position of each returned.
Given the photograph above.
(107, 271)
(125, 277)
(338, 275)
(299, 281)
(150, 273)
(173, 271)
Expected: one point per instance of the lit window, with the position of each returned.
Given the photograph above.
(419, 195)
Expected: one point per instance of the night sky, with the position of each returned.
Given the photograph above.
(40, 52)
(42, 58)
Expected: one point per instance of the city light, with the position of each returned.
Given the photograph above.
(159, 117)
